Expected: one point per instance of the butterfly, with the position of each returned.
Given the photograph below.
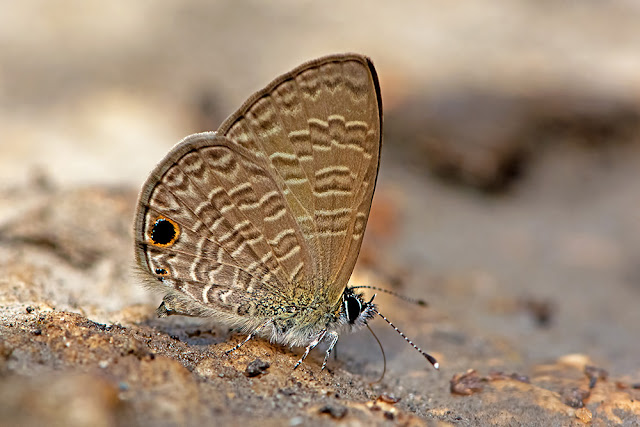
(258, 225)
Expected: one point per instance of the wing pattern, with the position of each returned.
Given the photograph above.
(273, 202)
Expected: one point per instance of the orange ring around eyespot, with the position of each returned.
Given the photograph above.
(162, 272)
(174, 228)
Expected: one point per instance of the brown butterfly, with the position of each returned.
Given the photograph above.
(258, 225)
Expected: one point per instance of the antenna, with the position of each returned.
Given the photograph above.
(384, 358)
(395, 294)
(427, 356)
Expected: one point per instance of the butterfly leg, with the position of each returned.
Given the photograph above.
(251, 335)
(333, 336)
(311, 346)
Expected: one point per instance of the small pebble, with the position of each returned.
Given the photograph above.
(334, 411)
(256, 368)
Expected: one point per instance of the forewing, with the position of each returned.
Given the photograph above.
(318, 129)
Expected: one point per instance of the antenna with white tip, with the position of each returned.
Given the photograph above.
(395, 294)
(427, 356)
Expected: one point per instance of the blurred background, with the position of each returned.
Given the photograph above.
(508, 194)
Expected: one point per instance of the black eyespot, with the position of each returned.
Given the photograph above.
(164, 232)
(353, 308)
(161, 271)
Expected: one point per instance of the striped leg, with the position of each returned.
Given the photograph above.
(251, 335)
(311, 346)
(333, 336)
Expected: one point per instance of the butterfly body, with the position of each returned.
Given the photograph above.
(296, 320)
(259, 224)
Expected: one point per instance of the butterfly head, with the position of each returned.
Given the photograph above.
(355, 311)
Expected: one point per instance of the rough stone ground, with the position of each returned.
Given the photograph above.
(507, 199)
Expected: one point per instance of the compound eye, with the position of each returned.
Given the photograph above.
(353, 308)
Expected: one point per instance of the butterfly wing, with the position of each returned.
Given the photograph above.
(318, 130)
(213, 230)
(274, 203)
